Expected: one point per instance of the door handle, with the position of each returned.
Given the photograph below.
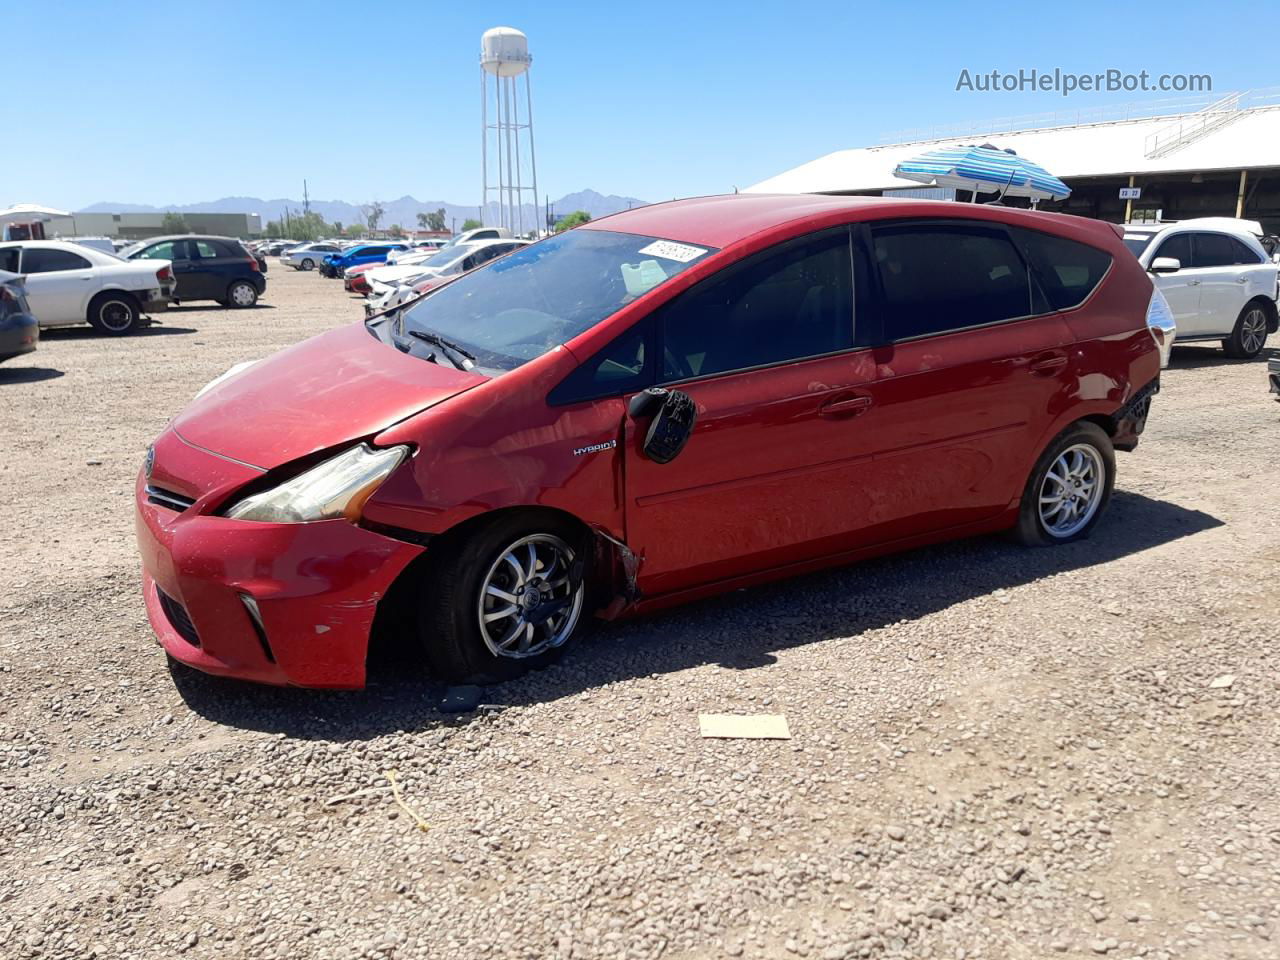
(1048, 363)
(846, 406)
(1242, 279)
(1193, 283)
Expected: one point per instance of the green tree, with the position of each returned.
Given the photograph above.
(337, 228)
(174, 223)
(395, 230)
(433, 220)
(575, 219)
(471, 223)
(355, 230)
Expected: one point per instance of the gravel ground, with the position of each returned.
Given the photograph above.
(997, 752)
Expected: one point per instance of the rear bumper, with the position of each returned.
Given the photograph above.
(312, 592)
(1273, 377)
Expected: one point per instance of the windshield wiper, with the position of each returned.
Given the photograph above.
(448, 347)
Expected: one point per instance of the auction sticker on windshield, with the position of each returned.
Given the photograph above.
(668, 250)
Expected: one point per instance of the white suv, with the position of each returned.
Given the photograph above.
(1219, 281)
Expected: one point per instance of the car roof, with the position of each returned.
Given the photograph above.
(1237, 228)
(719, 221)
(185, 236)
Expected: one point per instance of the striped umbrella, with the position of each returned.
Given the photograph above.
(984, 169)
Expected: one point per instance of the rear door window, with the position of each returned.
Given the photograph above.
(1066, 270)
(1219, 250)
(9, 259)
(206, 250)
(937, 278)
(46, 260)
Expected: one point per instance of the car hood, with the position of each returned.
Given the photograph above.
(396, 273)
(332, 389)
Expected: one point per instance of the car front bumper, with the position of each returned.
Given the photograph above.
(272, 603)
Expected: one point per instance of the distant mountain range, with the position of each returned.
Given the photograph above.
(403, 212)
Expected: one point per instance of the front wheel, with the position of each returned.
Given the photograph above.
(509, 598)
(242, 293)
(308, 264)
(115, 313)
(1069, 487)
(1249, 334)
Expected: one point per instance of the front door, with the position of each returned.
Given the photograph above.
(1182, 288)
(769, 351)
(176, 252)
(59, 283)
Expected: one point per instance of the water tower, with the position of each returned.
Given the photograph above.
(510, 171)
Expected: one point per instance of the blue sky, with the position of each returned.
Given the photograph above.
(168, 103)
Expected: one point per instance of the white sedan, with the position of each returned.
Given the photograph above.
(68, 283)
(1219, 281)
(306, 256)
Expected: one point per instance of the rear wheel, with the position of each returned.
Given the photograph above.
(1249, 335)
(115, 312)
(1069, 487)
(242, 293)
(508, 598)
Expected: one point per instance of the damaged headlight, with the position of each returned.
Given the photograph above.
(338, 487)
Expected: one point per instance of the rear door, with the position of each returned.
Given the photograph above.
(1230, 275)
(773, 473)
(59, 284)
(214, 267)
(970, 361)
(1181, 289)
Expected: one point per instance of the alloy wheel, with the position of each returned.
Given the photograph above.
(528, 603)
(1071, 490)
(1253, 330)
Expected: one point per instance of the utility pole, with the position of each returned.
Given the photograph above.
(306, 199)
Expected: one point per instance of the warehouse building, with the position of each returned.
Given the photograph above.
(1185, 159)
(139, 226)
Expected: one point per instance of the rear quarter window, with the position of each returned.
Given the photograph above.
(1068, 271)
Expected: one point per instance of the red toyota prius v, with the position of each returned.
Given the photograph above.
(669, 402)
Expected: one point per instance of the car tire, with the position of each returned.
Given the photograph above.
(307, 264)
(1249, 335)
(241, 294)
(1069, 487)
(115, 313)
(476, 600)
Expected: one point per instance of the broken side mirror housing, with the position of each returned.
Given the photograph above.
(1165, 265)
(674, 415)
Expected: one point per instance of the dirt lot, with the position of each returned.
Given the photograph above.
(997, 752)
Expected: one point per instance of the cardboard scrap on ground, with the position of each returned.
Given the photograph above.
(762, 726)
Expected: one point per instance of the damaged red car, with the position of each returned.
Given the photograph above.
(660, 405)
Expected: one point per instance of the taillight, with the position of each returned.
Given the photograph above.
(164, 274)
(1161, 324)
(254, 266)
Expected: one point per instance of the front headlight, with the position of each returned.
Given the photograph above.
(338, 487)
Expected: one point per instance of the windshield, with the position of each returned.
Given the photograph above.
(1137, 242)
(125, 253)
(522, 305)
(442, 258)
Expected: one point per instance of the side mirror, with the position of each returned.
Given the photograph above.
(674, 415)
(1165, 265)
